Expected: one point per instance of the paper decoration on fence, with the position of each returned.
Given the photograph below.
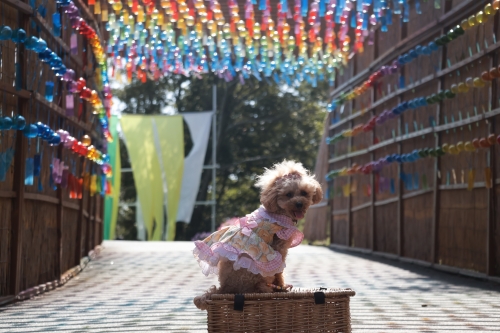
(455, 89)
(420, 50)
(160, 38)
(53, 138)
(46, 55)
(376, 166)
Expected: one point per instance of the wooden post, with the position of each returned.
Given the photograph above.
(400, 215)
(491, 247)
(17, 227)
(372, 154)
(349, 198)
(79, 223)
(89, 216)
(59, 221)
(437, 162)
(93, 220)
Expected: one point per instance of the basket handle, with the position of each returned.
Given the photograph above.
(239, 302)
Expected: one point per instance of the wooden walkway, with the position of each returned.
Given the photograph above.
(147, 287)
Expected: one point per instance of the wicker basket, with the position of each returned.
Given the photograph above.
(300, 310)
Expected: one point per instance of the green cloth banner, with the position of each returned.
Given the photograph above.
(111, 202)
(139, 138)
(170, 131)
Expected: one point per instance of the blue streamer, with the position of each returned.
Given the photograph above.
(417, 7)
(393, 186)
(406, 14)
(322, 8)
(397, 8)
(284, 6)
(401, 82)
(366, 19)
(388, 16)
(353, 21)
(304, 6)
(28, 172)
(359, 6)
(384, 24)
(262, 4)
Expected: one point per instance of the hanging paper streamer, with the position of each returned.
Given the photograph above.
(93, 185)
(487, 178)
(19, 77)
(470, 179)
(65, 178)
(346, 190)
(5, 162)
(393, 186)
(37, 165)
(86, 181)
(49, 91)
(28, 172)
(73, 44)
(70, 105)
(56, 24)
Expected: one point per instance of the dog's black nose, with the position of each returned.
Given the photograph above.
(299, 204)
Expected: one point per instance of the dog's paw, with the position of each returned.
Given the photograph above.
(201, 302)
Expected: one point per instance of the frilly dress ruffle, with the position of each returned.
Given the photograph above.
(253, 236)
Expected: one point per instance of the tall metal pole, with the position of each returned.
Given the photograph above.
(214, 155)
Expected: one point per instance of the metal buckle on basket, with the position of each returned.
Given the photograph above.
(319, 297)
(239, 302)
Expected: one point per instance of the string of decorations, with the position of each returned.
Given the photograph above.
(55, 138)
(474, 20)
(55, 63)
(452, 149)
(190, 38)
(102, 108)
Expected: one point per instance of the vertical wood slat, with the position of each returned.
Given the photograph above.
(78, 247)
(400, 222)
(491, 268)
(89, 218)
(59, 222)
(17, 227)
(437, 163)
(349, 198)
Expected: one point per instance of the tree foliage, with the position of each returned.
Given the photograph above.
(258, 124)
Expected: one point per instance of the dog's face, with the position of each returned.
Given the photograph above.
(288, 189)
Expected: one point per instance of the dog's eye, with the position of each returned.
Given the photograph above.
(303, 193)
(289, 194)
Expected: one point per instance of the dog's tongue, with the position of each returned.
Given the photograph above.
(298, 215)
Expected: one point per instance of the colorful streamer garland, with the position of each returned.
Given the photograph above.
(480, 18)
(453, 149)
(462, 87)
(55, 138)
(191, 38)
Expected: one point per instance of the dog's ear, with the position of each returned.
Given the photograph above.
(318, 194)
(269, 199)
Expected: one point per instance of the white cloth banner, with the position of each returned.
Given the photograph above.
(199, 126)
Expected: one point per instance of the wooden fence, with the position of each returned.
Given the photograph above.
(436, 220)
(43, 232)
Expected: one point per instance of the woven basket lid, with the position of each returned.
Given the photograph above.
(295, 293)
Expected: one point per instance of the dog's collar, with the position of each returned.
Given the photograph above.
(277, 217)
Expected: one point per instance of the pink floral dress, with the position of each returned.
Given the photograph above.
(253, 236)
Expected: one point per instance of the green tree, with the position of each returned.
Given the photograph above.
(258, 124)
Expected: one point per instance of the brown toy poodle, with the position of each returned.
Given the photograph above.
(249, 256)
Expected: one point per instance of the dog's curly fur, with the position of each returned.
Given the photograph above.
(288, 189)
